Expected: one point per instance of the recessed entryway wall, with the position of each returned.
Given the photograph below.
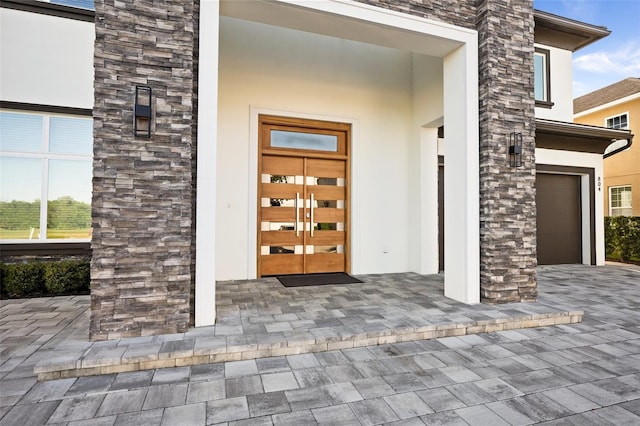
(338, 73)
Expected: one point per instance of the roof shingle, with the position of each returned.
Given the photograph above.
(613, 92)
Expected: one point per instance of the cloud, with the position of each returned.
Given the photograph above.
(625, 61)
(582, 10)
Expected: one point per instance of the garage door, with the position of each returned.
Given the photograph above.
(559, 219)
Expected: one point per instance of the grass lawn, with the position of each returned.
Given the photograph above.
(23, 234)
(616, 258)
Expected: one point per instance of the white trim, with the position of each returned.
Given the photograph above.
(355, 21)
(618, 115)
(607, 105)
(545, 74)
(614, 187)
(252, 237)
(45, 156)
(385, 17)
(205, 279)
(586, 192)
(429, 242)
(40, 155)
(461, 175)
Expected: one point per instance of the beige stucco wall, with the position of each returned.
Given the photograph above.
(622, 168)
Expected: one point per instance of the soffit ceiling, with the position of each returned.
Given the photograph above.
(298, 17)
(565, 33)
(576, 137)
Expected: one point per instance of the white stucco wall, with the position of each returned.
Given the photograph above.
(274, 68)
(561, 86)
(591, 161)
(46, 60)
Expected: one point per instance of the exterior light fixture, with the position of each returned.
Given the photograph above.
(142, 112)
(515, 149)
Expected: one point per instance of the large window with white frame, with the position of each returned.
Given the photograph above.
(45, 176)
(620, 121)
(541, 77)
(620, 201)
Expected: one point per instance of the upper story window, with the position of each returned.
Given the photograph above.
(620, 201)
(82, 4)
(45, 176)
(542, 74)
(618, 122)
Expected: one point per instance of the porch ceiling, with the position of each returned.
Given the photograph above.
(326, 21)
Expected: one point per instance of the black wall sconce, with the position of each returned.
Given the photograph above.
(515, 149)
(142, 112)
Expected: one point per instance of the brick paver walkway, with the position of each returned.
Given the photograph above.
(585, 373)
(261, 318)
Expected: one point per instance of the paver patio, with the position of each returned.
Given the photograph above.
(580, 373)
(261, 318)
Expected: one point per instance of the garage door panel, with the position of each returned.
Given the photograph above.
(559, 218)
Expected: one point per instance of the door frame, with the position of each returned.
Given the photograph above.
(351, 261)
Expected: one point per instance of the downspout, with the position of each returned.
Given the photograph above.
(622, 148)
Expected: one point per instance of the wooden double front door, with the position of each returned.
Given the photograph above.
(303, 196)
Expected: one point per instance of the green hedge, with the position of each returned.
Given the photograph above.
(38, 278)
(622, 237)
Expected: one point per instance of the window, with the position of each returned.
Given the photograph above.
(541, 74)
(300, 140)
(620, 201)
(618, 122)
(45, 157)
(82, 4)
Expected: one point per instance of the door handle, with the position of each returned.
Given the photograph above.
(297, 215)
(311, 219)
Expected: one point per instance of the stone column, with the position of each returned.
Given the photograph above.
(141, 279)
(507, 194)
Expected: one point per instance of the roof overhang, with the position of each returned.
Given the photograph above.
(565, 33)
(565, 136)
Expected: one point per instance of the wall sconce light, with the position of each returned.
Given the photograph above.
(515, 149)
(142, 112)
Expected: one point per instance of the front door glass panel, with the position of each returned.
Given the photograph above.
(300, 140)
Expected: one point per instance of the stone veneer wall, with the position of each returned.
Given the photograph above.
(507, 195)
(142, 209)
(508, 254)
(456, 12)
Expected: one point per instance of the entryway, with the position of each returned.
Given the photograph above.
(303, 196)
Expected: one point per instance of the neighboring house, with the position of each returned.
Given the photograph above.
(355, 112)
(616, 106)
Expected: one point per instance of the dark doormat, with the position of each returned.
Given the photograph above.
(317, 279)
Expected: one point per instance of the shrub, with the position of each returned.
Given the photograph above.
(622, 237)
(23, 279)
(38, 278)
(66, 276)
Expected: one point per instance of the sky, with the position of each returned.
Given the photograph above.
(608, 60)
